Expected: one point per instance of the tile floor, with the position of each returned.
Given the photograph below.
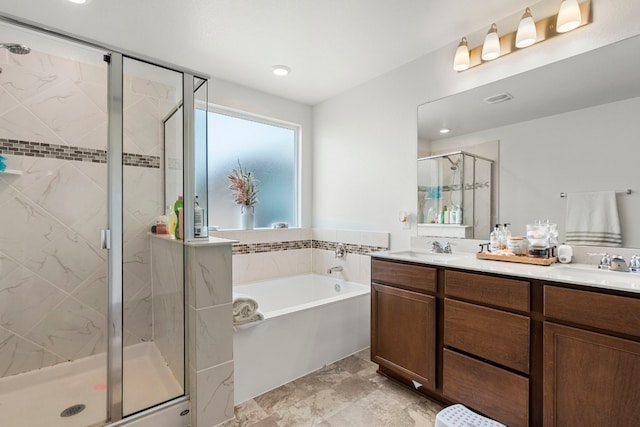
(346, 393)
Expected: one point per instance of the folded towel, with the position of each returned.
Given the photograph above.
(592, 219)
(245, 309)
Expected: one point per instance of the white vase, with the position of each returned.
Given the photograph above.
(246, 217)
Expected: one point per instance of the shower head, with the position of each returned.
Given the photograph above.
(16, 48)
(454, 166)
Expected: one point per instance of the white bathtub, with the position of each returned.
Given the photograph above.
(310, 321)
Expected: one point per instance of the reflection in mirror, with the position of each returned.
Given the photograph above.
(569, 127)
(454, 195)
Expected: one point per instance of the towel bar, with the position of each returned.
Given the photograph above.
(627, 191)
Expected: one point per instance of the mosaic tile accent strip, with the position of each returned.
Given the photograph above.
(351, 248)
(255, 248)
(77, 154)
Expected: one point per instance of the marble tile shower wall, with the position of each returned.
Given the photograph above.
(53, 121)
(265, 254)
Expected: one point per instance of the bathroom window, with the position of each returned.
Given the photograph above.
(266, 148)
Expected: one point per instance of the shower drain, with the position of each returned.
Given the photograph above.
(73, 410)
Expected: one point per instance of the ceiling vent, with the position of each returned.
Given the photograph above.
(496, 99)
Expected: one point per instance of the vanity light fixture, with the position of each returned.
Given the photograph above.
(461, 61)
(491, 45)
(526, 34)
(571, 15)
(281, 70)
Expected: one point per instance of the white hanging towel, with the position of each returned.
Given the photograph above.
(592, 219)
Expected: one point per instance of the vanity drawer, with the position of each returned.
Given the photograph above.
(610, 312)
(487, 333)
(502, 292)
(495, 392)
(410, 276)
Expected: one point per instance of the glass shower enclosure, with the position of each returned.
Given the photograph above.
(455, 195)
(89, 332)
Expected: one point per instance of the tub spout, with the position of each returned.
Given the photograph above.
(333, 269)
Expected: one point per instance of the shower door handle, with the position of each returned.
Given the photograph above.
(105, 239)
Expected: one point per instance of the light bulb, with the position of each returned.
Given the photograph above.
(491, 46)
(526, 34)
(461, 60)
(569, 16)
(281, 70)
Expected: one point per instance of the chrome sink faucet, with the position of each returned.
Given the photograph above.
(605, 262)
(618, 263)
(436, 247)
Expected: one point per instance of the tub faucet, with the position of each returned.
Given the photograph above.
(333, 269)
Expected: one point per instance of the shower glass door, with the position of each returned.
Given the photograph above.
(53, 204)
(91, 323)
(152, 268)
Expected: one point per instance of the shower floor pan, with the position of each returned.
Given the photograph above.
(39, 397)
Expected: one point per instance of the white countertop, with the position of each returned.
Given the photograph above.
(579, 274)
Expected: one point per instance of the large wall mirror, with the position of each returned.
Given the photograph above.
(569, 127)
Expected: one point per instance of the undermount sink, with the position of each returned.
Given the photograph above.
(425, 256)
(595, 276)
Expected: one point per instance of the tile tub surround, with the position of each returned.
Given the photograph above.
(268, 253)
(348, 392)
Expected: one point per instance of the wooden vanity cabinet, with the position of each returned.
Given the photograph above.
(591, 377)
(403, 320)
(486, 351)
(525, 353)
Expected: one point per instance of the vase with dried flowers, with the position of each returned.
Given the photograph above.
(244, 189)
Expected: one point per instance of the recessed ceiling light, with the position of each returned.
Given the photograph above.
(281, 70)
(445, 130)
(78, 1)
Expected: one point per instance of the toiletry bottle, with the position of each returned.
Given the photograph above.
(176, 206)
(172, 221)
(443, 214)
(453, 216)
(161, 224)
(494, 239)
(506, 234)
(198, 220)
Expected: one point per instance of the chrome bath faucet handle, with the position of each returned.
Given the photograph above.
(341, 250)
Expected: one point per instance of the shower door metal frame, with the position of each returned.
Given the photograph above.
(115, 184)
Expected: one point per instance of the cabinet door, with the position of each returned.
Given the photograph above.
(496, 392)
(590, 379)
(403, 333)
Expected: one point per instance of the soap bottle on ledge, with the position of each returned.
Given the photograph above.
(172, 221)
(177, 208)
(198, 220)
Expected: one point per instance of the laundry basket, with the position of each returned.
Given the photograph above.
(459, 416)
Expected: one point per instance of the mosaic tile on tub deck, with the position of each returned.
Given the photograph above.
(348, 392)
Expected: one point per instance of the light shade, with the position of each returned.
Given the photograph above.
(491, 46)
(526, 34)
(461, 60)
(569, 16)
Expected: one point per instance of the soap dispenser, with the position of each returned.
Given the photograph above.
(494, 239)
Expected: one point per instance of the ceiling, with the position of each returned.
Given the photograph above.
(331, 45)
